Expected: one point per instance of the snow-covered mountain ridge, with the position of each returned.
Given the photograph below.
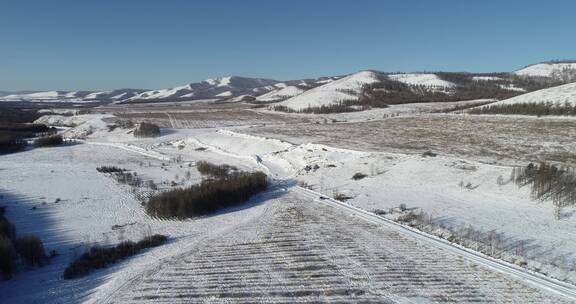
(324, 91)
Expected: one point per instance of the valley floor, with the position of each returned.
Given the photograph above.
(284, 245)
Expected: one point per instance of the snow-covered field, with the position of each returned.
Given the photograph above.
(284, 245)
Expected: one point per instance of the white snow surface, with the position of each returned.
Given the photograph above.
(545, 69)
(333, 92)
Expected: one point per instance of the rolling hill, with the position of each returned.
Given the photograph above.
(353, 92)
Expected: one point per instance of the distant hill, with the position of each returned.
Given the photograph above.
(561, 70)
(353, 92)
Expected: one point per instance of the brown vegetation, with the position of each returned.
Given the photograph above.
(536, 109)
(49, 141)
(147, 130)
(207, 197)
(100, 257)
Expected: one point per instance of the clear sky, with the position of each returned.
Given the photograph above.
(101, 44)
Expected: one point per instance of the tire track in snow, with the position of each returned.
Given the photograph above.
(301, 252)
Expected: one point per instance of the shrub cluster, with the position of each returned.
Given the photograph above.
(31, 250)
(147, 130)
(207, 197)
(359, 176)
(127, 178)
(122, 175)
(537, 109)
(7, 257)
(109, 169)
(10, 143)
(429, 154)
(100, 257)
(49, 141)
(217, 171)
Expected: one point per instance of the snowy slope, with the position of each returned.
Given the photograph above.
(218, 88)
(48, 96)
(281, 94)
(347, 88)
(164, 93)
(73, 96)
(546, 69)
(556, 95)
(430, 81)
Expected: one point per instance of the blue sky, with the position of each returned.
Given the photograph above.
(71, 45)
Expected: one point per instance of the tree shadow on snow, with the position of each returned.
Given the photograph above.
(31, 215)
(529, 248)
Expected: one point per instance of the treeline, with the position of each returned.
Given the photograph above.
(122, 176)
(499, 87)
(28, 248)
(390, 91)
(147, 130)
(13, 135)
(109, 169)
(548, 182)
(339, 107)
(207, 197)
(98, 257)
(536, 109)
(49, 141)
(10, 143)
(460, 108)
(13, 114)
